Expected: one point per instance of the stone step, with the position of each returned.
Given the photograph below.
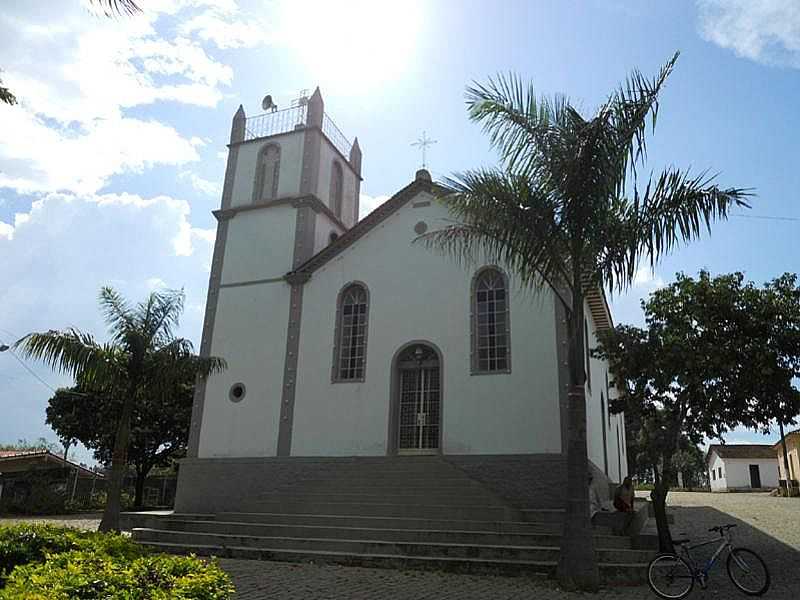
(390, 522)
(488, 512)
(381, 547)
(611, 572)
(542, 515)
(441, 536)
(472, 498)
(389, 485)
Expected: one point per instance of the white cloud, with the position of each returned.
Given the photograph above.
(35, 157)
(645, 277)
(60, 254)
(366, 204)
(765, 31)
(211, 188)
(220, 23)
(79, 74)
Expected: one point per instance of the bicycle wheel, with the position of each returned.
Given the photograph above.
(748, 572)
(670, 577)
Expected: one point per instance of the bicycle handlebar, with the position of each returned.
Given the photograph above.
(723, 528)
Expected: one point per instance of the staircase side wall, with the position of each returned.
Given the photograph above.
(209, 485)
(526, 480)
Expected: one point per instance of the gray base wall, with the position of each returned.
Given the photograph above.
(527, 480)
(210, 485)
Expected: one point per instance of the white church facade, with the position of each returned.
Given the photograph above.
(346, 340)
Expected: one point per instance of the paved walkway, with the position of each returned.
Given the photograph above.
(769, 525)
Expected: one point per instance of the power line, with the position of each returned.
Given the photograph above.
(29, 370)
(767, 217)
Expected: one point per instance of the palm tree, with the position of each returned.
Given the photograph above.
(568, 210)
(142, 357)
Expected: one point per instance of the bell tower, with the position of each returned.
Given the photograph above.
(291, 187)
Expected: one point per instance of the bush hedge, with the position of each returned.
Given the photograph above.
(42, 562)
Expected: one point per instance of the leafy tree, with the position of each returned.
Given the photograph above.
(773, 332)
(569, 209)
(23, 445)
(143, 358)
(696, 371)
(159, 426)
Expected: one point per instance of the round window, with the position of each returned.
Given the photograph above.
(237, 392)
(421, 227)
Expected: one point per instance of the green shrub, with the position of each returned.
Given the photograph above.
(89, 575)
(24, 544)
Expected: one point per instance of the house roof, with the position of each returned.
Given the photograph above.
(596, 297)
(8, 457)
(787, 435)
(742, 450)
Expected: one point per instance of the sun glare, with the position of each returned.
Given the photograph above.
(351, 42)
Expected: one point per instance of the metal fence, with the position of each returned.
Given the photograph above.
(291, 119)
(273, 123)
(335, 135)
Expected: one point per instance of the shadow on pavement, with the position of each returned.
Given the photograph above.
(782, 560)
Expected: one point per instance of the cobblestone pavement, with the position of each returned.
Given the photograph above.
(768, 525)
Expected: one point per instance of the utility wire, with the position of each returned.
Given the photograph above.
(768, 217)
(28, 369)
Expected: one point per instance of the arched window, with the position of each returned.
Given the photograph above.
(491, 342)
(350, 351)
(267, 171)
(336, 189)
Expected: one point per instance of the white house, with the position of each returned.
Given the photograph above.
(343, 338)
(741, 467)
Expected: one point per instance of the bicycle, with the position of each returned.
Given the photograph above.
(672, 576)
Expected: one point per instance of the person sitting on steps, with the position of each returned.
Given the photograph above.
(624, 496)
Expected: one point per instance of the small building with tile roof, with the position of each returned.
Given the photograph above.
(741, 467)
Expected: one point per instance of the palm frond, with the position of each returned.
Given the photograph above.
(6, 96)
(501, 217)
(160, 316)
(113, 8)
(118, 314)
(520, 125)
(72, 352)
(675, 208)
(632, 106)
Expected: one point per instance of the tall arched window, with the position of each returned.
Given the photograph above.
(267, 171)
(336, 189)
(491, 327)
(350, 351)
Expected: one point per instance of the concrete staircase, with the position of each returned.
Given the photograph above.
(404, 512)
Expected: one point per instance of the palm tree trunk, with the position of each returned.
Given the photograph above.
(577, 564)
(110, 521)
(786, 473)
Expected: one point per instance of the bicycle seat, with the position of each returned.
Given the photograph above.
(680, 541)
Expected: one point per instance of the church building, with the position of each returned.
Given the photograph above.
(349, 344)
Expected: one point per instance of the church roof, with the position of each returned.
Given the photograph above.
(595, 297)
(368, 223)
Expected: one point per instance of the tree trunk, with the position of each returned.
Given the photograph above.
(110, 521)
(659, 497)
(680, 479)
(577, 564)
(138, 492)
(786, 472)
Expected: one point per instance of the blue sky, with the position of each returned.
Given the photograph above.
(113, 160)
